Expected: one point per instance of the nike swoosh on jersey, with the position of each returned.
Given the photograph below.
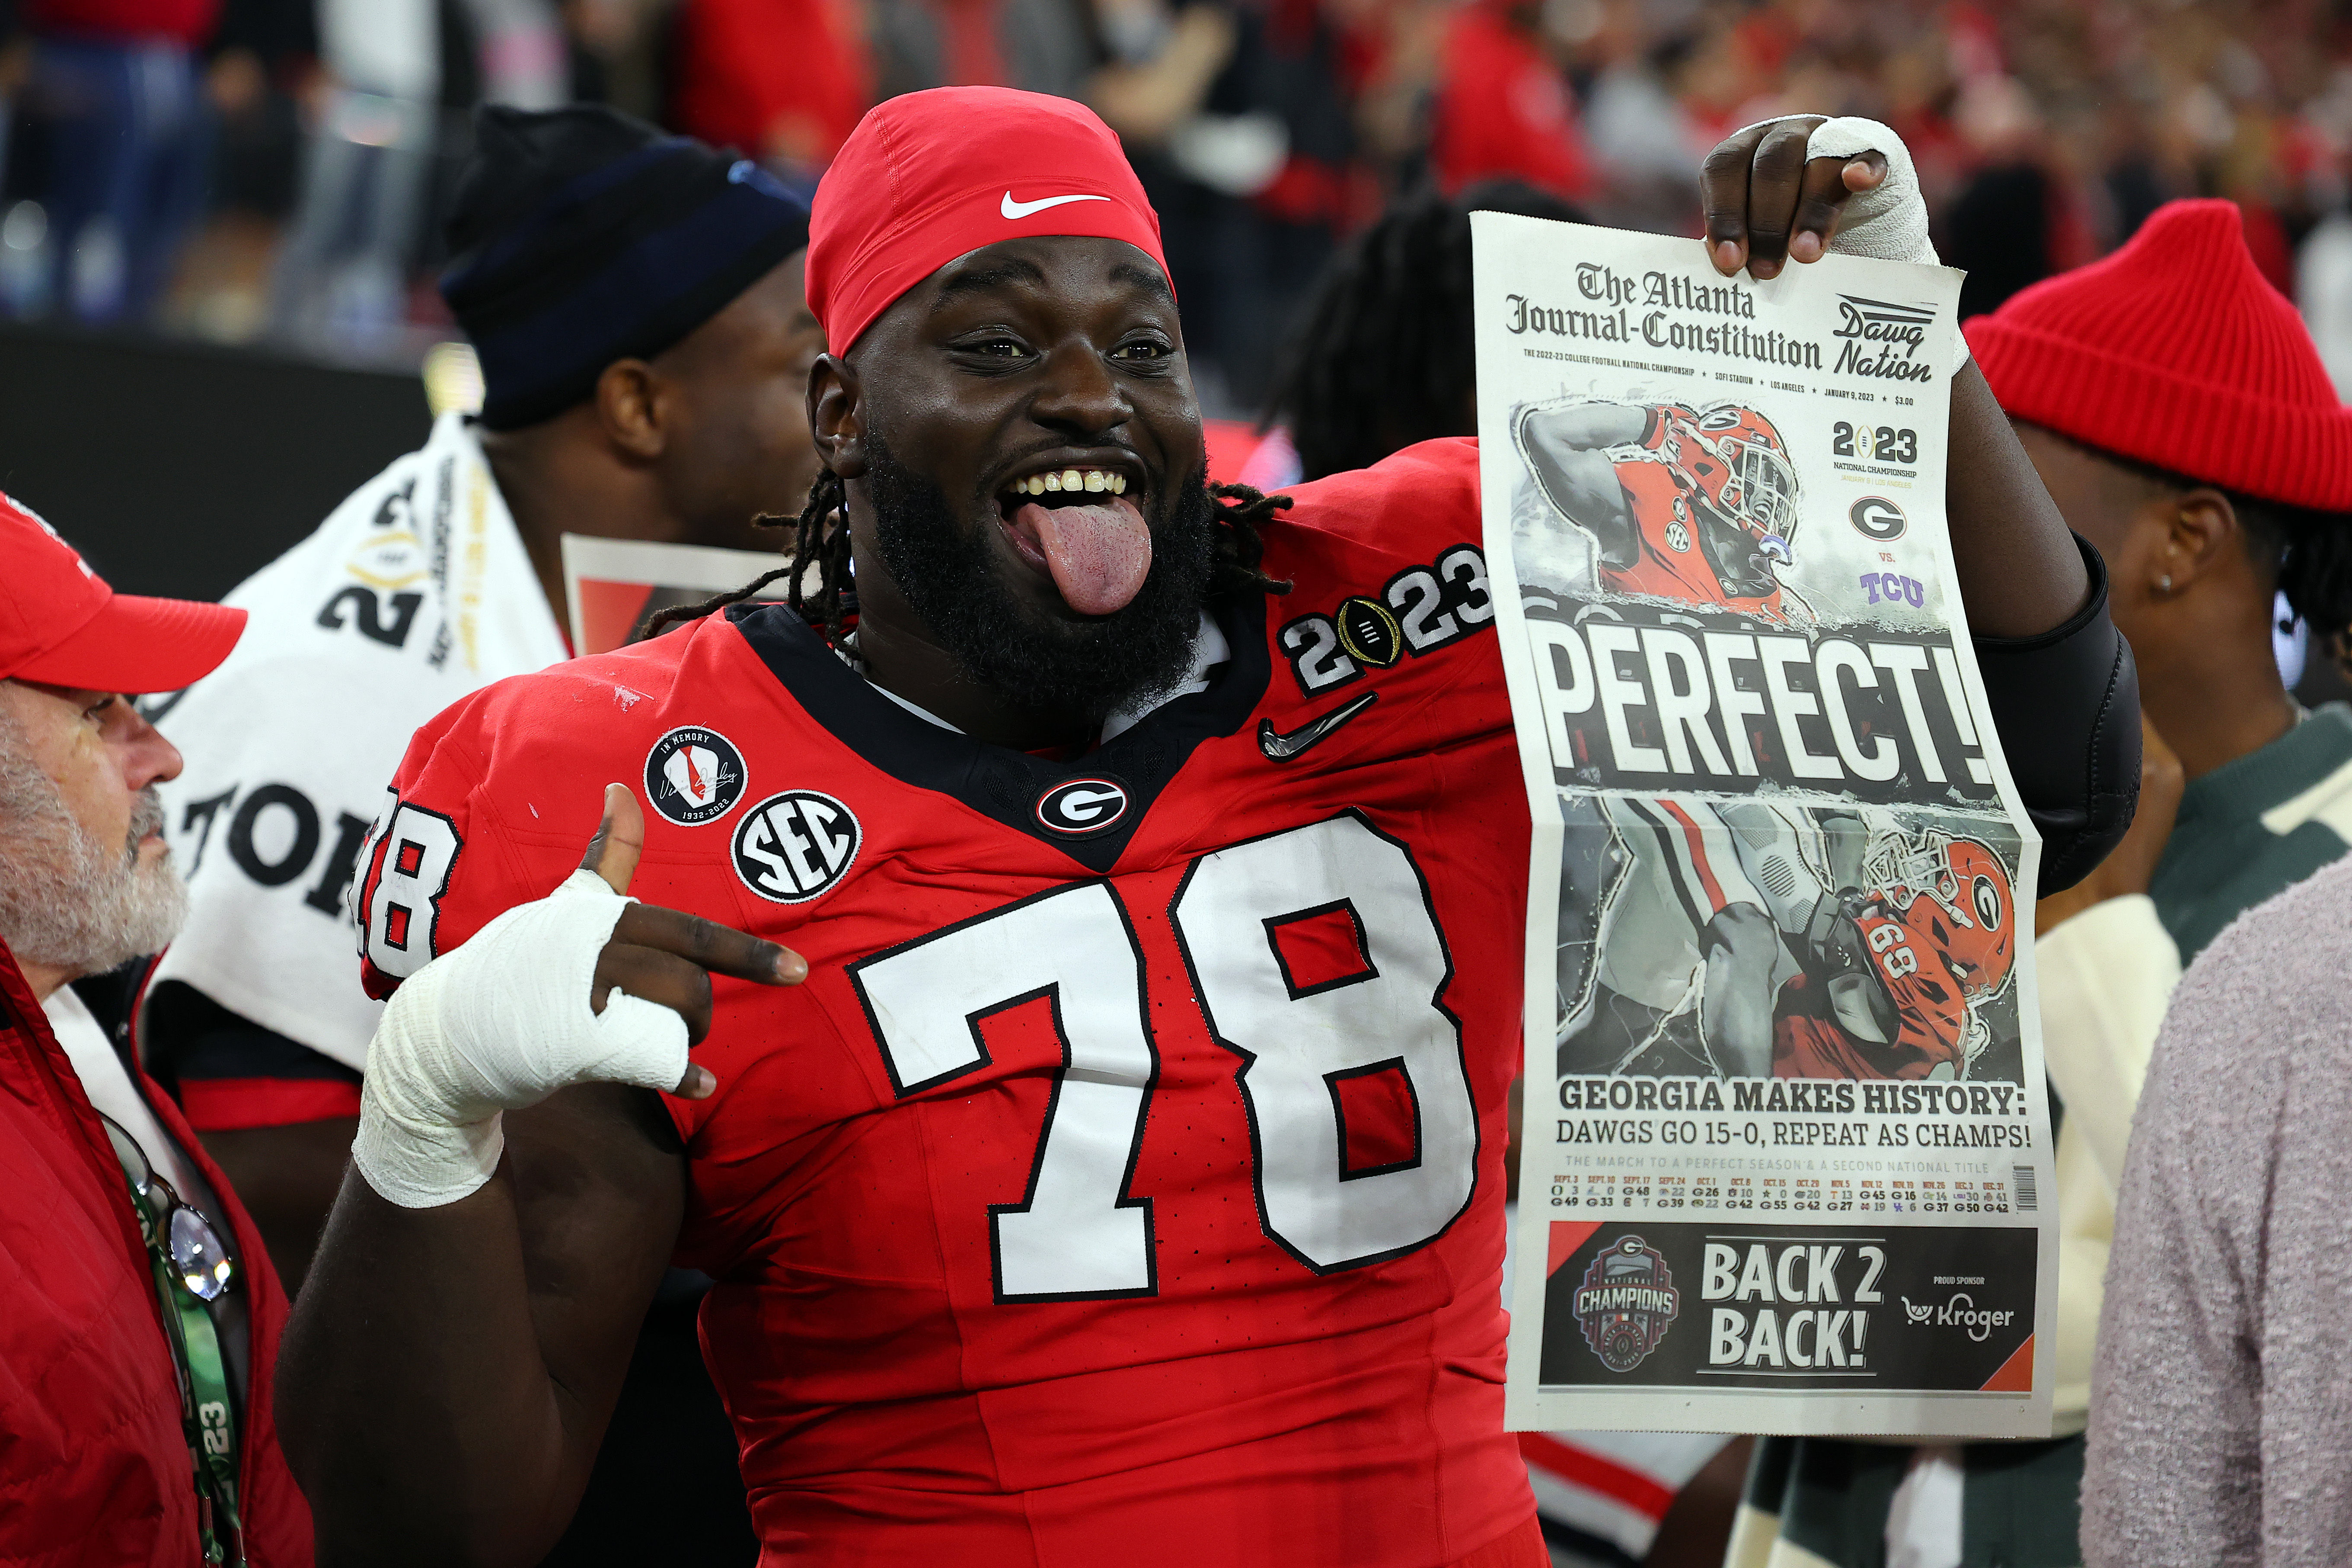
(1281, 748)
(1012, 209)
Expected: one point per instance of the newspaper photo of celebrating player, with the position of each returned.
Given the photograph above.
(1744, 939)
(1785, 1162)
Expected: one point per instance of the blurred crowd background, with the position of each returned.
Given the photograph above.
(272, 171)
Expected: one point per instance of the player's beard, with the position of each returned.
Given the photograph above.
(67, 899)
(1094, 667)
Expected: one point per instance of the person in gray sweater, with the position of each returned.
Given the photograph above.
(2221, 1426)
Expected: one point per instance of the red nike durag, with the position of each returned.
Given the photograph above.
(929, 176)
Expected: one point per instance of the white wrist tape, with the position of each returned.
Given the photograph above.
(499, 1024)
(1888, 223)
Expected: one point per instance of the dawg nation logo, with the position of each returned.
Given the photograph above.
(1626, 1304)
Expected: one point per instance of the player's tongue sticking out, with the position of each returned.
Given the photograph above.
(931, 176)
(1099, 554)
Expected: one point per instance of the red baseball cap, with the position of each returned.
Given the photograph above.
(929, 176)
(60, 625)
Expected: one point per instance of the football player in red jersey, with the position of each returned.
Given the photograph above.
(1111, 1172)
(1699, 505)
(1891, 970)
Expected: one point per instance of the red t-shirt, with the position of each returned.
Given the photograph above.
(1503, 109)
(783, 78)
(94, 1461)
(1124, 1183)
(189, 22)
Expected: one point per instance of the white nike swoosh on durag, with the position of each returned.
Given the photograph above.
(1012, 209)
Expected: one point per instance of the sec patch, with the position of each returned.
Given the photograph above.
(794, 847)
(694, 775)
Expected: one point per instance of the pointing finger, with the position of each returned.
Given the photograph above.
(620, 839)
(662, 978)
(721, 949)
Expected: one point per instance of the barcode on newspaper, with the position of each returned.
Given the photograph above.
(2022, 1179)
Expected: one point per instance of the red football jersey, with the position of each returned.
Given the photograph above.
(1808, 1041)
(1124, 1183)
(1672, 563)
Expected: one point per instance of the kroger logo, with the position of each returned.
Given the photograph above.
(1961, 1313)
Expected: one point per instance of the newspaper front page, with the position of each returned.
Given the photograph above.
(1787, 1163)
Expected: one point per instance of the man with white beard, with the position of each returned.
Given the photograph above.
(140, 1300)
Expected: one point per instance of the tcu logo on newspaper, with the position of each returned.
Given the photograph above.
(1627, 1303)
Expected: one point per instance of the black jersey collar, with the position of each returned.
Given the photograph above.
(1009, 786)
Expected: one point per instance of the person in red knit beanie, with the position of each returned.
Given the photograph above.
(2178, 412)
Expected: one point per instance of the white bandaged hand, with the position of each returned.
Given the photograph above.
(1889, 221)
(499, 1024)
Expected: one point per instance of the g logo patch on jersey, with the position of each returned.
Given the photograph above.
(694, 775)
(1081, 808)
(793, 847)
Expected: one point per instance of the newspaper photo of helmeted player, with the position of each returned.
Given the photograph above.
(1747, 939)
(1780, 874)
(1695, 505)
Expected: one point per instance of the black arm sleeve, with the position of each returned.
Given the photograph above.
(2066, 703)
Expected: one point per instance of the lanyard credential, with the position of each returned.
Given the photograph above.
(184, 1256)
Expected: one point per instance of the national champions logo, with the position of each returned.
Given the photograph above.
(1627, 1303)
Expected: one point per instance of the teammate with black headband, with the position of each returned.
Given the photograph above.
(1112, 1172)
(638, 303)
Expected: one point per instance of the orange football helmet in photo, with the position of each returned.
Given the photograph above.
(1955, 895)
(1738, 463)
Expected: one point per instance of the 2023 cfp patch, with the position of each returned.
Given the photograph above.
(694, 775)
(793, 847)
(1080, 808)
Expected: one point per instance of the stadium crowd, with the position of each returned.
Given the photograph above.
(311, 1271)
(277, 170)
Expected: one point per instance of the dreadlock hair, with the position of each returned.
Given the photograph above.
(2302, 552)
(1384, 357)
(2310, 552)
(812, 541)
(1241, 513)
(822, 539)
